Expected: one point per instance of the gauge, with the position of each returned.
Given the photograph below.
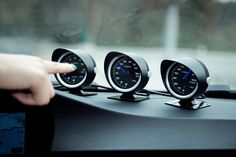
(126, 72)
(83, 75)
(75, 78)
(185, 78)
(181, 81)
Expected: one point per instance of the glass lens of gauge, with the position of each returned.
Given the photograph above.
(182, 80)
(76, 76)
(125, 73)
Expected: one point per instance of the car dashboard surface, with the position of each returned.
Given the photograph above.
(73, 124)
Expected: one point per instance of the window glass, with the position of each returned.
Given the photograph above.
(153, 29)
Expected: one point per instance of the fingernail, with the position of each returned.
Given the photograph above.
(74, 67)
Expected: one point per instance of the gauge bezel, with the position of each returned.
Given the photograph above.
(145, 73)
(172, 91)
(197, 67)
(112, 82)
(86, 58)
(65, 83)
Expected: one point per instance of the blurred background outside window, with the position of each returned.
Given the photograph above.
(153, 29)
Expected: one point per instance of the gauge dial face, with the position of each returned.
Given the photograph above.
(77, 77)
(181, 81)
(124, 74)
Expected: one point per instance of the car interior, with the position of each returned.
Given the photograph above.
(152, 77)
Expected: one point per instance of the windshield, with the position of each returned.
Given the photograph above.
(153, 29)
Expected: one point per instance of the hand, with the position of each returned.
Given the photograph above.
(22, 72)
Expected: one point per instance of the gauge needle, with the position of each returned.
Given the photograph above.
(122, 69)
(186, 75)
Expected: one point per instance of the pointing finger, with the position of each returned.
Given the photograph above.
(55, 67)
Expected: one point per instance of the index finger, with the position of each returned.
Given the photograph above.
(55, 67)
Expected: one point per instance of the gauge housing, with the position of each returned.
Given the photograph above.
(89, 67)
(140, 70)
(199, 72)
(112, 57)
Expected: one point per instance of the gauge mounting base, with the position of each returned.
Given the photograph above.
(81, 92)
(129, 97)
(188, 104)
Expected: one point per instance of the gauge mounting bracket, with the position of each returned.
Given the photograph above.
(185, 79)
(126, 73)
(85, 73)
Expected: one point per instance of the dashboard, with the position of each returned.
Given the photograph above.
(73, 124)
(79, 124)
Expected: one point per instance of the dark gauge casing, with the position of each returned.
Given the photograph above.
(86, 67)
(126, 72)
(184, 78)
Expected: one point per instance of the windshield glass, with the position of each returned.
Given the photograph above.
(153, 29)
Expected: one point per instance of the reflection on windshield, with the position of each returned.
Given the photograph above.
(154, 29)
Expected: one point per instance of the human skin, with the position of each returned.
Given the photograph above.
(21, 73)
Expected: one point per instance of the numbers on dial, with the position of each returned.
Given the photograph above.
(78, 76)
(181, 80)
(125, 73)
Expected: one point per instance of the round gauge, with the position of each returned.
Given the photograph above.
(125, 74)
(181, 81)
(83, 75)
(75, 78)
(185, 78)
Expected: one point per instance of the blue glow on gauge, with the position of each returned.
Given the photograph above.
(121, 68)
(186, 75)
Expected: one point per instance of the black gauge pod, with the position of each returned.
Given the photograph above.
(82, 76)
(185, 79)
(127, 73)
